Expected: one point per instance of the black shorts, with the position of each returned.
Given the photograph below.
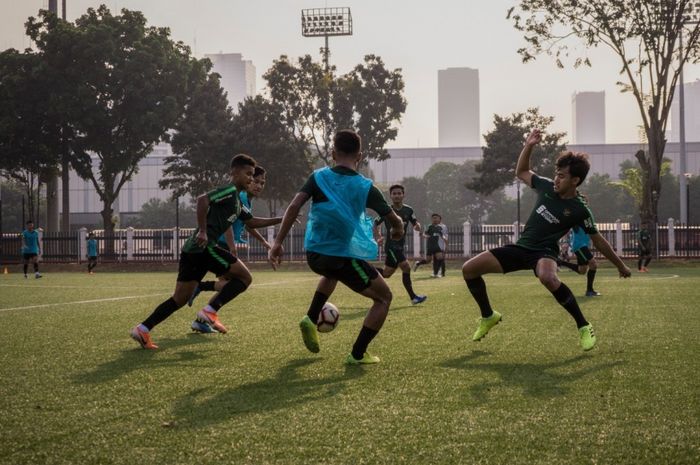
(513, 257)
(583, 256)
(29, 256)
(92, 259)
(643, 251)
(354, 273)
(433, 249)
(194, 266)
(394, 256)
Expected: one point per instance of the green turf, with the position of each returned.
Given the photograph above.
(75, 389)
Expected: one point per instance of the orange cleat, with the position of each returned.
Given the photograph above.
(143, 338)
(213, 319)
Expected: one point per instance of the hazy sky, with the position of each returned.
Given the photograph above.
(418, 36)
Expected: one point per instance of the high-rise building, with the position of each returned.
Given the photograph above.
(237, 76)
(458, 107)
(588, 118)
(691, 103)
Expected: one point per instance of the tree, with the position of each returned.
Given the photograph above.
(133, 80)
(260, 132)
(158, 214)
(632, 181)
(644, 35)
(203, 139)
(315, 103)
(503, 145)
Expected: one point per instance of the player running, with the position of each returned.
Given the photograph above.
(216, 211)
(394, 249)
(31, 249)
(585, 261)
(435, 247)
(339, 241)
(558, 208)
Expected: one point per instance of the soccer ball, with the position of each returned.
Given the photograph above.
(328, 318)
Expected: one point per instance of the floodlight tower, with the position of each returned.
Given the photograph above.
(326, 22)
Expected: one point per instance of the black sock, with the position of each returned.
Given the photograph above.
(639, 264)
(316, 305)
(567, 300)
(442, 266)
(161, 312)
(25, 268)
(569, 265)
(477, 287)
(590, 276)
(646, 262)
(406, 279)
(436, 266)
(207, 286)
(228, 293)
(363, 339)
(36, 267)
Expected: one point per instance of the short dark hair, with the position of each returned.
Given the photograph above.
(242, 160)
(436, 214)
(577, 162)
(397, 186)
(30, 221)
(347, 141)
(259, 171)
(91, 234)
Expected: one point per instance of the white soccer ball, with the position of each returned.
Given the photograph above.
(328, 318)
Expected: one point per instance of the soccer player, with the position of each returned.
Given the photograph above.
(216, 211)
(557, 209)
(644, 243)
(435, 246)
(339, 241)
(92, 252)
(31, 249)
(585, 262)
(256, 188)
(394, 249)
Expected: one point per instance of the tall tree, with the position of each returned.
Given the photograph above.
(133, 82)
(644, 34)
(316, 103)
(503, 145)
(203, 139)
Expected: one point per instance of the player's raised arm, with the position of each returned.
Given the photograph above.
(522, 169)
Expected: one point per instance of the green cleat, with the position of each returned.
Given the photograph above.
(309, 334)
(367, 359)
(485, 325)
(587, 337)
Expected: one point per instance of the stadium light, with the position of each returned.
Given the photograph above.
(691, 16)
(326, 22)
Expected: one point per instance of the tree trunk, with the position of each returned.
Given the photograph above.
(108, 226)
(65, 189)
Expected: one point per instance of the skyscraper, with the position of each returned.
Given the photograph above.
(692, 114)
(237, 76)
(458, 107)
(588, 118)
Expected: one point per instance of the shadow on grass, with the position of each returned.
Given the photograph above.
(541, 380)
(288, 389)
(136, 358)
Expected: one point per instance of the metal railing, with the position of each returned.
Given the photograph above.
(163, 245)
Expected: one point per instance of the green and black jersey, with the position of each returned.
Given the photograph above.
(407, 216)
(437, 233)
(552, 217)
(224, 208)
(375, 199)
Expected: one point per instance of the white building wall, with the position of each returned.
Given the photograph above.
(458, 107)
(237, 76)
(692, 114)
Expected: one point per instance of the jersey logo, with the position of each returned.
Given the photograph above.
(547, 215)
(232, 218)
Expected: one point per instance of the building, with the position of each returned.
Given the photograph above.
(691, 103)
(458, 107)
(237, 76)
(588, 118)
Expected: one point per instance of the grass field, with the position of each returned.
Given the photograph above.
(75, 389)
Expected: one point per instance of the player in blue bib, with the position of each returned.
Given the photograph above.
(585, 262)
(31, 249)
(91, 252)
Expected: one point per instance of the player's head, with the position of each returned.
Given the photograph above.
(30, 225)
(242, 171)
(436, 218)
(396, 192)
(258, 184)
(91, 235)
(347, 145)
(571, 170)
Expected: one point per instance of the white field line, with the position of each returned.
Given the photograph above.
(112, 299)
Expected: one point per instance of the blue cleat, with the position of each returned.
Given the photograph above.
(419, 299)
(199, 326)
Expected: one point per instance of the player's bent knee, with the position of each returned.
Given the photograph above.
(550, 281)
